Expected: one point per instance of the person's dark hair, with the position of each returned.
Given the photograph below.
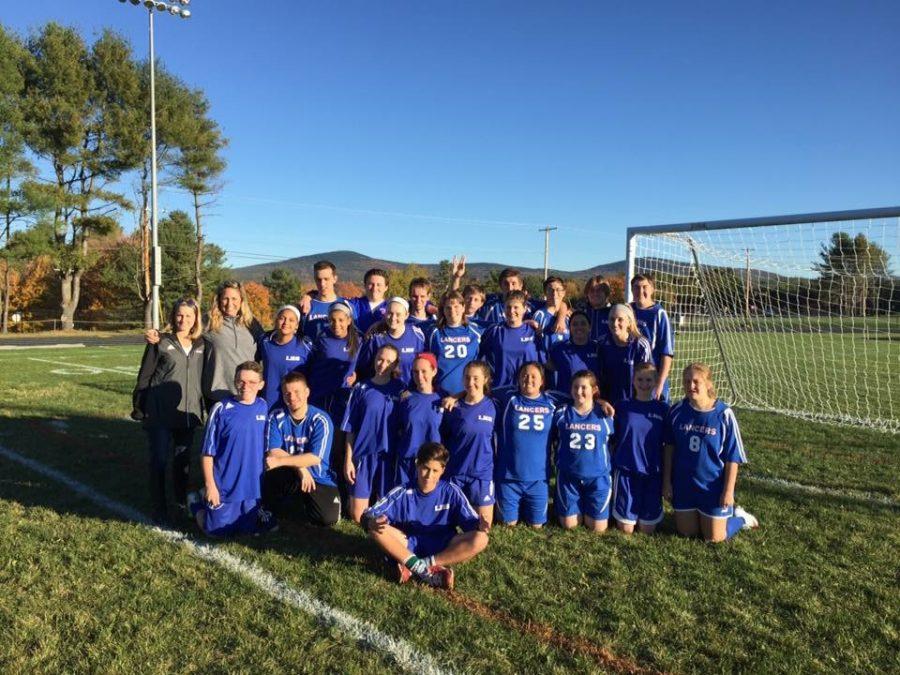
(516, 295)
(352, 333)
(643, 277)
(324, 265)
(294, 376)
(581, 313)
(474, 288)
(509, 272)
(377, 272)
(447, 297)
(419, 282)
(485, 370)
(550, 280)
(585, 374)
(532, 364)
(432, 452)
(249, 365)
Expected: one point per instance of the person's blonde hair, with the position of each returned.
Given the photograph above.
(633, 329)
(197, 328)
(244, 315)
(705, 371)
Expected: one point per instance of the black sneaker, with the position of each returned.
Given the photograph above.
(265, 522)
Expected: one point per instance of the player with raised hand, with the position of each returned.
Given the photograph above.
(168, 400)
(454, 341)
(370, 426)
(700, 464)
(468, 431)
(406, 338)
(582, 431)
(653, 321)
(281, 352)
(597, 292)
(576, 353)
(553, 316)
(419, 416)
(417, 525)
(619, 352)
(298, 457)
(315, 309)
(637, 458)
(506, 346)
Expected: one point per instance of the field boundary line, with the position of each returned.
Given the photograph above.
(119, 371)
(849, 494)
(11, 347)
(402, 652)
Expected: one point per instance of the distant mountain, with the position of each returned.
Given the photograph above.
(352, 266)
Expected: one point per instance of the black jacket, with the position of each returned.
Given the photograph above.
(168, 392)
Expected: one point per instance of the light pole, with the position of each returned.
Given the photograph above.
(547, 231)
(175, 9)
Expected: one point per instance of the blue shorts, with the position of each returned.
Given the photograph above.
(637, 498)
(528, 498)
(479, 492)
(429, 544)
(588, 496)
(689, 497)
(230, 519)
(374, 476)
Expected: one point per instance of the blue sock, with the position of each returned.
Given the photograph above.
(733, 526)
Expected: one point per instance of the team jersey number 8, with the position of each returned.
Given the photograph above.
(694, 444)
(527, 422)
(456, 351)
(575, 441)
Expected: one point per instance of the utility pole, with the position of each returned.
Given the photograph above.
(547, 231)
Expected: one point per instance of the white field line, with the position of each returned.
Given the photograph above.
(59, 346)
(120, 370)
(854, 495)
(404, 654)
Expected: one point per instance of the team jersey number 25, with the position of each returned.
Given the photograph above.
(529, 422)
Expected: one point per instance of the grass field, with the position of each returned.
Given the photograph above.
(84, 589)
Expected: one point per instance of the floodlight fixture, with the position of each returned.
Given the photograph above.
(185, 14)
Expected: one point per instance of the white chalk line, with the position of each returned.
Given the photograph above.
(12, 347)
(844, 493)
(89, 369)
(403, 653)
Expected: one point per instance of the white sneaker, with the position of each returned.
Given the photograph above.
(750, 521)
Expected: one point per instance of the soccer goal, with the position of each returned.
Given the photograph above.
(795, 314)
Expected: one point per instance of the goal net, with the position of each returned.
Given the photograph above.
(795, 314)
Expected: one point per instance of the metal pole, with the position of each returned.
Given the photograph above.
(630, 251)
(546, 231)
(154, 229)
(747, 288)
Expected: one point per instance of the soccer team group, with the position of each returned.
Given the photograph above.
(425, 419)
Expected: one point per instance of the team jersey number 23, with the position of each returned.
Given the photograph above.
(579, 441)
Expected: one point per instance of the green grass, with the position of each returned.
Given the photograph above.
(813, 590)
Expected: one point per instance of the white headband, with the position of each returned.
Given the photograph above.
(291, 308)
(400, 301)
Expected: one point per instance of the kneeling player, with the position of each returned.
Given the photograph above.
(233, 449)
(298, 457)
(416, 524)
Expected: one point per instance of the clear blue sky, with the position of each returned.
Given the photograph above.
(415, 130)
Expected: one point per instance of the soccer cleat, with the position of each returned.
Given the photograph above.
(265, 522)
(403, 573)
(440, 577)
(750, 521)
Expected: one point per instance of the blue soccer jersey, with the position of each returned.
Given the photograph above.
(279, 360)
(410, 343)
(313, 434)
(568, 358)
(468, 433)
(547, 321)
(417, 514)
(653, 323)
(235, 439)
(493, 311)
(639, 436)
(617, 366)
(330, 364)
(370, 417)
(523, 436)
(454, 347)
(505, 349)
(365, 314)
(316, 320)
(599, 321)
(583, 450)
(419, 417)
(704, 441)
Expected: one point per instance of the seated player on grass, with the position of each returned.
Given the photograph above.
(298, 458)
(700, 464)
(417, 524)
(233, 450)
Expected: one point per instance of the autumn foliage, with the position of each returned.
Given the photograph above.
(258, 298)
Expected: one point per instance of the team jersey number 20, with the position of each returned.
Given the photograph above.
(456, 351)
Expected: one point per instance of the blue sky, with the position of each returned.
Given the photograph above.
(416, 130)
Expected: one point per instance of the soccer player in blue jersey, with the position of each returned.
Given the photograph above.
(232, 462)
(553, 316)
(331, 368)
(407, 338)
(281, 352)
(506, 346)
(653, 322)
(582, 431)
(299, 474)
(494, 309)
(315, 317)
(370, 425)
(418, 524)
(597, 292)
(619, 352)
(522, 464)
(637, 459)
(700, 464)
(454, 341)
(468, 431)
(421, 311)
(579, 352)
(369, 309)
(474, 298)
(419, 416)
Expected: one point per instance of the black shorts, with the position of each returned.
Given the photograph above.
(281, 494)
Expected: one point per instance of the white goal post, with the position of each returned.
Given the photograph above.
(797, 314)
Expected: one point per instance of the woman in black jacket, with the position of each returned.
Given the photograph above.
(168, 399)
